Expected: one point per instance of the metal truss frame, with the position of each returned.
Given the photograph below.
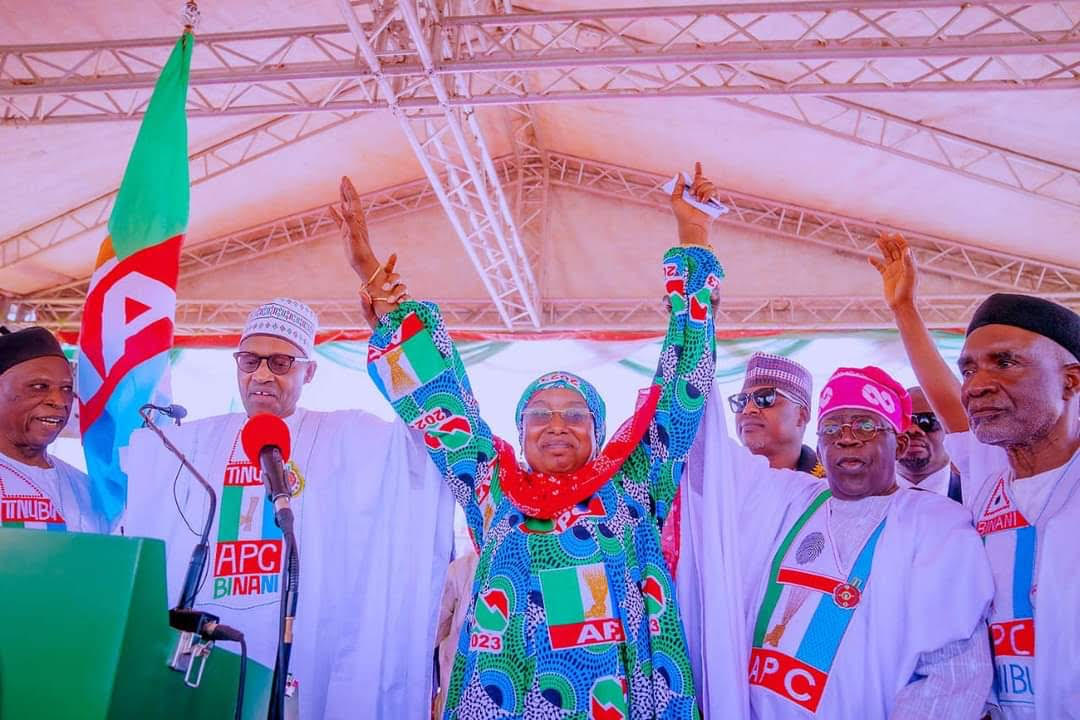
(734, 50)
(453, 152)
(911, 140)
(251, 144)
(847, 235)
(581, 315)
(851, 236)
(274, 236)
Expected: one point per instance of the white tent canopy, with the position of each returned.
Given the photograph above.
(511, 153)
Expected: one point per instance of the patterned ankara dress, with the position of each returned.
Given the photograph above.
(573, 617)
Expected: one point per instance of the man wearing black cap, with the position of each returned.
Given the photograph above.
(38, 491)
(1015, 436)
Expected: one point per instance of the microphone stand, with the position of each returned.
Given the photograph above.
(198, 555)
(183, 617)
(290, 579)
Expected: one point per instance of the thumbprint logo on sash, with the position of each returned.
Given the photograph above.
(810, 548)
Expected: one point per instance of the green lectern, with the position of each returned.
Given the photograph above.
(84, 634)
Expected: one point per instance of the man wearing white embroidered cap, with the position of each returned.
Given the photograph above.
(356, 481)
(269, 370)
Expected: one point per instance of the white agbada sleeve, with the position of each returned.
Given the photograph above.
(945, 607)
(734, 505)
(954, 682)
(382, 666)
(375, 535)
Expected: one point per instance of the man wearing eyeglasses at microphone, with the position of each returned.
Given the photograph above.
(368, 595)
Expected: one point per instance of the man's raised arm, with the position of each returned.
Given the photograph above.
(899, 280)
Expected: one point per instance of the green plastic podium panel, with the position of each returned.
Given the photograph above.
(84, 634)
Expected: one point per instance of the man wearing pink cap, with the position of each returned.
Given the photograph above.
(844, 598)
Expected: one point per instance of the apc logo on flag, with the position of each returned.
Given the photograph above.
(128, 319)
(655, 590)
(133, 303)
(452, 433)
(491, 614)
(607, 699)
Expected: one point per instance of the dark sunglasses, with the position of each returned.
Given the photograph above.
(278, 363)
(762, 397)
(926, 421)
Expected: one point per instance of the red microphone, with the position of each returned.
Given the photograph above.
(266, 442)
(262, 430)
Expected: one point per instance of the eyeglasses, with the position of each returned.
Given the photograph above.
(278, 363)
(762, 397)
(926, 421)
(862, 430)
(540, 417)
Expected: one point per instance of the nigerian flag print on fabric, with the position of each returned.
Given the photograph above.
(571, 617)
(579, 607)
(409, 361)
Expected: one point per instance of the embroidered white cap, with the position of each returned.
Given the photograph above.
(287, 319)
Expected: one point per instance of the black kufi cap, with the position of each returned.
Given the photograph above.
(27, 344)
(1033, 314)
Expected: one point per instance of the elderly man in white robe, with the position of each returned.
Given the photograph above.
(37, 490)
(851, 600)
(373, 524)
(1014, 433)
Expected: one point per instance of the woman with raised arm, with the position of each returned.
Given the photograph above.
(573, 612)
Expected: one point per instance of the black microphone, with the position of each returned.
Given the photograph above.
(174, 411)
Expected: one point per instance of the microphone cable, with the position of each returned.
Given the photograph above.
(231, 634)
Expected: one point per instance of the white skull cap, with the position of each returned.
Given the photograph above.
(287, 319)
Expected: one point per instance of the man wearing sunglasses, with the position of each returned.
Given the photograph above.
(38, 491)
(773, 410)
(925, 463)
(835, 599)
(771, 414)
(366, 610)
(1013, 420)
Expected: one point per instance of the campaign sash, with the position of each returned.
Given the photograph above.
(801, 678)
(1011, 543)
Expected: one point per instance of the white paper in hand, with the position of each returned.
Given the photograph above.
(713, 208)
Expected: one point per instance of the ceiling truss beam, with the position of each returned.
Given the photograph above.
(454, 154)
(746, 313)
(766, 48)
(845, 234)
(851, 236)
(245, 147)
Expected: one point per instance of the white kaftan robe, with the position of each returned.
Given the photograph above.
(1030, 528)
(862, 605)
(374, 530)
